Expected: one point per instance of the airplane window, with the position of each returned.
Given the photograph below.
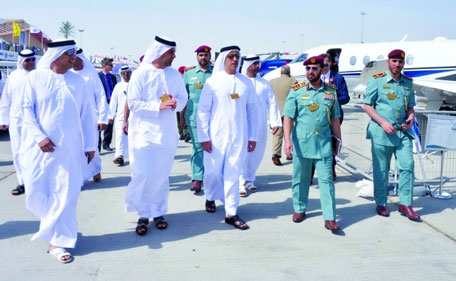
(381, 57)
(301, 57)
(366, 60)
(353, 60)
(409, 60)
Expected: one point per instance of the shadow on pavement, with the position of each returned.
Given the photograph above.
(6, 163)
(107, 183)
(182, 158)
(181, 226)
(429, 205)
(12, 229)
(350, 215)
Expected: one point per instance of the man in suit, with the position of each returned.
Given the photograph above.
(281, 87)
(109, 81)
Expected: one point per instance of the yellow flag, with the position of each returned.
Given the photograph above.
(16, 29)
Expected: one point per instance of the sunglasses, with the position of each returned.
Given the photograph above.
(314, 68)
(30, 59)
(232, 56)
(70, 52)
(326, 65)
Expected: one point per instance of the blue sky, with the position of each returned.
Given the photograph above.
(256, 26)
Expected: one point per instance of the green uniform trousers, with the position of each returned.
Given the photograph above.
(302, 168)
(197, 155)
(381, 159)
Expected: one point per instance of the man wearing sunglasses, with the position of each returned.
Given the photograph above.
(314, 109)
(389, 101)
(11, 109)
(226, 125)
(109, 81)
(57, 125)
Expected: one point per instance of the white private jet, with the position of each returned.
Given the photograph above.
(431, 64)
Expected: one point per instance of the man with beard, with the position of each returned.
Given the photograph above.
(11, 109)
(330, 76)
(314, 109)
(194, 79)
(266, 106)
(389, 101)
(155, 93)
(226, 124)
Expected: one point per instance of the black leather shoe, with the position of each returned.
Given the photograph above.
(107, 148)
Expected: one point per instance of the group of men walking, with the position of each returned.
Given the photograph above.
(226, 112)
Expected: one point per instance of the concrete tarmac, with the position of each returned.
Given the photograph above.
(200, 246)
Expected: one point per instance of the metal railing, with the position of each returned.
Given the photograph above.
(356, 152)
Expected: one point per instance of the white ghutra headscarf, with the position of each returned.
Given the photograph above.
(55, 50)
(160, 46)
(219, 64)
(248, 61)
(22, 56)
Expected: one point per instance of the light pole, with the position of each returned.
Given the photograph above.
(362, 25)
(80, 32)
(284, 44)
(112, 52)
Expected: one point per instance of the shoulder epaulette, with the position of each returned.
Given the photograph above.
(298, 85)
(331, 85)
(409, 78)
(190, 67)
(377, 75)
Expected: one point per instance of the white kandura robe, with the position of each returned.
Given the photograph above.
(117, 108)
(229, 124)
(11, 114)
(267, 105)
(55, 107)
(101, 112)
(152, 138)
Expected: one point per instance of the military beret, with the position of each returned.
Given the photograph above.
(181, 69)
(396, 54)
(314, 60)
(203, 48)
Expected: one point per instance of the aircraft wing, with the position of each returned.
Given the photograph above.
(437, 89)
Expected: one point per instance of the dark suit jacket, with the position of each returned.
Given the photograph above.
(342, 91)
(114, 82)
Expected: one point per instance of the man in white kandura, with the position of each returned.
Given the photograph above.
(57, 140)
(85, 68)
(226, 122)
(267, 105)
(155, 92)
(11, 109)
(117, 108)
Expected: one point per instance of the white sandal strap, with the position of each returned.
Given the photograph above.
(60, 252)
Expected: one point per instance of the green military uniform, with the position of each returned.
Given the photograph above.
(194, 80)
(391, 100)
(313, 111)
